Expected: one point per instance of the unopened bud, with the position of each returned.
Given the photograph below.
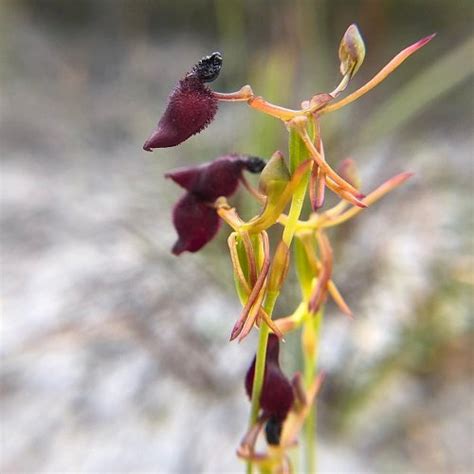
(275, 176)
(351, 51)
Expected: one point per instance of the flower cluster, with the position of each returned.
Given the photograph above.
(278, 404)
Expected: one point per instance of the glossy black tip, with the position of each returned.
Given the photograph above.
(273, 431)
(209, 67)
(254, 164)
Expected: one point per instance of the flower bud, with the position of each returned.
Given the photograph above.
(191, 106)
(277, 393)
(351, 51)
(196, 223)
(275, 176)
(217, 178)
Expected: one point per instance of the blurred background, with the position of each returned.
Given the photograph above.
(115, 353)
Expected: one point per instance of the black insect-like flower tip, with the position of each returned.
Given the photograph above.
(196, 223)
(191, 106)
(209, 67)
(273, 429)
(218, 178)
(255, 164)
(277, 393)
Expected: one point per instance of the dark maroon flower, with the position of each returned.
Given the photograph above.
(196, 223)
(194, 216)
(277, 392)
(217, 178)
(191, 106)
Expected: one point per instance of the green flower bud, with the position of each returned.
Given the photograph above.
(351, 51)
(274, 177)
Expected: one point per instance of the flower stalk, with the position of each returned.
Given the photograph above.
(278, 408)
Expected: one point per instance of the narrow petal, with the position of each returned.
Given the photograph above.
(250, 254)
(251, 317)
(380, 76)
(319, 293)
(296, 418)
(301, 127)
(271, 324)
(347, 196)
(374, 196)
(271, 212)
(338, 299)
(247, 445)
(254, 293)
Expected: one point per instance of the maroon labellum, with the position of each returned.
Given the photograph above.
(218, 178)
(277, 392)
(196, 223)
(194, 216)
(191, 106)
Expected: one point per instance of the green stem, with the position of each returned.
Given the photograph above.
(310, 367)
(260, 364)
(298, 154)
(260, 359)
